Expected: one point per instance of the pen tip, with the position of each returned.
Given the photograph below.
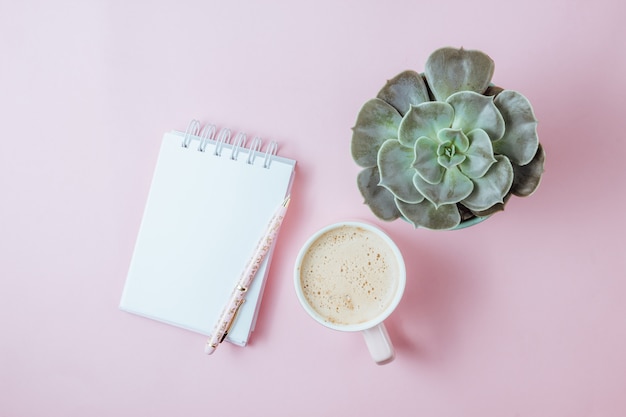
(286, 202)
(209, 349)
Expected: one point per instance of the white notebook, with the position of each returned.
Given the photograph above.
(211, 198)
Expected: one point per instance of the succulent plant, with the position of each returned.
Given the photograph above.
(446, 148)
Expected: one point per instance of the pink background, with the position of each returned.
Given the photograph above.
(523, 315)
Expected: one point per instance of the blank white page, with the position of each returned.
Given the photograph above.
(203, 218)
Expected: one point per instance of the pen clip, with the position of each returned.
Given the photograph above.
(233, 320)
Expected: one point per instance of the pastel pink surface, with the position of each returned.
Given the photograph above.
(522, 315)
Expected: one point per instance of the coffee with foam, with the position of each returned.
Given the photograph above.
(349, 275)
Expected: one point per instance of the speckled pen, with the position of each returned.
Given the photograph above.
(229, 314)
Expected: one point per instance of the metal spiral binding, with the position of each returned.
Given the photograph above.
(254, 148)
(207, 136)
(240, 141)
(192, 130)
(222, 138)
(272, 148)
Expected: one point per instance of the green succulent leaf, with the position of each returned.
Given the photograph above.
(491, 188)
(395, 163)
(447, 157)
(450, 70)
(405, 89)
(454, 187)
(456, 137)
(527, 177)
(520, 140)
(379, 199)
(451, 150)
(475, 111)
(479, 154)
(426, 215)
(426, 160)
(377, 121)
(493, 209)
(425, 119)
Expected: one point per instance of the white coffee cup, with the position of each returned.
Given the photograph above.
(350, 276)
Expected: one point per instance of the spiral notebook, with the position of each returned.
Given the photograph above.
(211, 197)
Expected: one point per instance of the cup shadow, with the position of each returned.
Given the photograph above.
(439, 295)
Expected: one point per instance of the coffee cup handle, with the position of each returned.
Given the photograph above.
(379, 344)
